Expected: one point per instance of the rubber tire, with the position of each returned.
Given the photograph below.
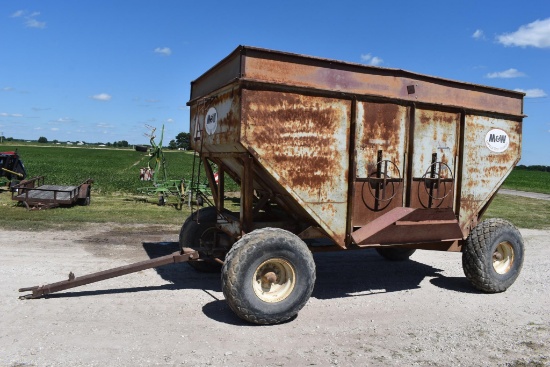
(477, 255)
(190, 235)
(395, 253)
(244, 258)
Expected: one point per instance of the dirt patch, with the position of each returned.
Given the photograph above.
(364, 310)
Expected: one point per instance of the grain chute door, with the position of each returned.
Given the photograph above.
(381, 139)
(435, 159)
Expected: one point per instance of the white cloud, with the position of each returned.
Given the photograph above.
(104, 97)
(166, 51)
(169, 120)
(64, 120)
(104, 125)
(8, 89)
(532, 93)
(506, 74)
(5, 114)
(54, 129)
(18, 14)
(30, 19)
(478, 34)
(535, 34)
(371, 60)
(33, 23)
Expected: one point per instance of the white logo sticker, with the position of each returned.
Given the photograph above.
(497, 140)
(211, 120)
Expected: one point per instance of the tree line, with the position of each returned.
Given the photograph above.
(533, 168)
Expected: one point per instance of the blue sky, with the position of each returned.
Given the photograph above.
(100, 71)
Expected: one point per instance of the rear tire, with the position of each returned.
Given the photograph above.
(492, 257)
(395, 253)
(268, 276)
(194, 234)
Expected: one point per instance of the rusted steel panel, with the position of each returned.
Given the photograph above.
(309, 72)
(409, 225)
(492, 148)
(293, 115)
(434, 161)
(303, 142)
(381, 139)
(218, 76)
(217, 120)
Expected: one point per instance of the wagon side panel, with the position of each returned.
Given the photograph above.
(380, 150)
(491, 150)
(215, 122)
(434, 161)
(302, 141)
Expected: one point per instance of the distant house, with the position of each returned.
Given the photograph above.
(69, 143)
(80, 143)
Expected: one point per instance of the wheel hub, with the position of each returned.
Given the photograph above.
(274, 280)
(503, 257)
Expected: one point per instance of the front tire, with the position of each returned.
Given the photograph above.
(268, 276)
(493, 255)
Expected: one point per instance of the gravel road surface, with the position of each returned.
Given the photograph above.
(364, 311)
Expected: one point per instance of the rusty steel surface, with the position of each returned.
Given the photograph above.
(275, 67)
(410, 225)
(340, 146)
(38, 291)
(435, 147)
(381, 140)
(486, 164)
(302, 141)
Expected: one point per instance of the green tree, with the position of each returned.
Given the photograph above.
(172, 145)
(42, 139)
(183, 141)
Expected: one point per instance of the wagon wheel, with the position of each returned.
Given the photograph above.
(268, 276)
(493, 255)
(199, 232)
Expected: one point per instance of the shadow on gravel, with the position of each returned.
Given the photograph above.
(456, 284)
(364, 272)
(339, 275)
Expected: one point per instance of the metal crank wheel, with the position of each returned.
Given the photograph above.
(268, 276)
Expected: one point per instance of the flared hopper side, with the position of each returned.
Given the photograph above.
(340, 145)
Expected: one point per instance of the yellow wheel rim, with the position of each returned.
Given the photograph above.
(274, 280)
(503, 257)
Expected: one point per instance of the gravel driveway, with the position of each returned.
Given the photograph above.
(364, 311)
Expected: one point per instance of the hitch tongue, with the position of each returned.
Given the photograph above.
(185, 254)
